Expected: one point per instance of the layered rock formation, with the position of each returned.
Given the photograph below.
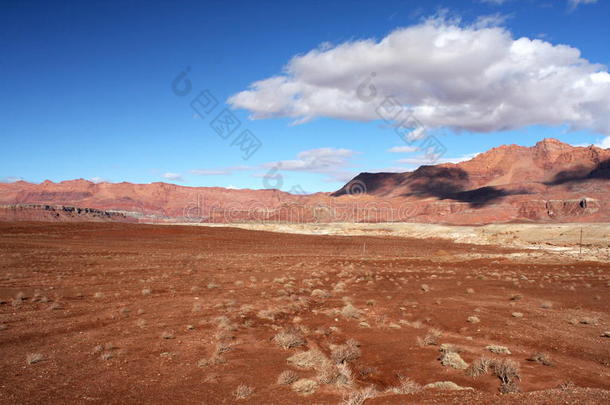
(549, 182)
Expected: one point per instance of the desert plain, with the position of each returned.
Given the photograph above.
(316, 314)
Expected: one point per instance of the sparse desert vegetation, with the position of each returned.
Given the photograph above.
(293, 319)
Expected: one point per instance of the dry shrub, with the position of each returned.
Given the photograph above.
(498, 349)
(358, 397)
(405, 387)
(541, 358)
(243, 391)
(479, 367)
(474, 319)
(449, 348)
(304, 386)
(431, 337)
(588, 321)
(167, 335)
(446, 386)
(345, 353)
(287, 377)
(319, 293)
(350, 311)
(517, 315)
(33, 358)
(312, 358)
(289, 338)
(268, 314)
(509, 374)
(453, 360)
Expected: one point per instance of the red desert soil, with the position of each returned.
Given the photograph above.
(128, 313)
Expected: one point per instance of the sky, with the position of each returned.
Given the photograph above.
(299, 96)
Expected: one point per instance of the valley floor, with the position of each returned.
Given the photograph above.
(127, 313)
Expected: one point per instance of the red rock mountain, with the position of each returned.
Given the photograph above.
(551, 181)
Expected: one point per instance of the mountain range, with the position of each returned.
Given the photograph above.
(549, 182)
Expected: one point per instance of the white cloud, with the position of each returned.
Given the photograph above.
(328, 161)
(465, 77)
(605, 143)
(173, 176)
(494, 2)
(431, 159)
(575, 3)
(403, 149)
(10, 179)
(97, 179)
(219, 172)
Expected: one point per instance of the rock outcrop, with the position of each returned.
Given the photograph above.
(549, 182)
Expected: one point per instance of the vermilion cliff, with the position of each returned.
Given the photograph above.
(549, 182)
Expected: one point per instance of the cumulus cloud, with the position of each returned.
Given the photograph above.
(447, 74)
(331, 162)
(173, 176)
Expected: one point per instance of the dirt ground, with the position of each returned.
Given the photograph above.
(123, 313)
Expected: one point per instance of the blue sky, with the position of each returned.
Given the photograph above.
(87, 86)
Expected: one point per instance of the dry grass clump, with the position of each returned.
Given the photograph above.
(446, 386)
(287, 377)
(516, 297)
(498, 349)
(319, 293)
(106, 356)
(453, 360)
(405, 387)
(243, 391)
(33, 358)
(358, 397)
(474, 319)
(339, 374)
(146, 291)
(588, 321)
(479, 367)
(449, 348)
(546, 305)
(167, 335)
(346, 352)
(542, 358)
(517, 315)
(304, 386)
(289, 338)
(509, 374)
(313, 358)
(431, 337)
(505, 369)
(350, 311)
(425, 287)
